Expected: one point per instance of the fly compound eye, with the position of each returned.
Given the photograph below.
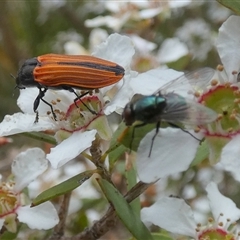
(128, 115)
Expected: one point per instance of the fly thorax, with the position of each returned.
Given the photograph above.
(149, 108)
(160, 104)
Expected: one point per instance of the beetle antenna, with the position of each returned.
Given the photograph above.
(15, 86)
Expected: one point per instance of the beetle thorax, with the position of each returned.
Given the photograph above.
(25, 76)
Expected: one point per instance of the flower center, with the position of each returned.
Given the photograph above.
(9, 200)
(218, 233)
(217, 230)
(79, 115)
(224, 99)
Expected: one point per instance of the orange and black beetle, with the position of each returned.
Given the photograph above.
(58, 72)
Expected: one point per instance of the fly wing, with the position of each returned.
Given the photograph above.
(194, 80)
(186, 111)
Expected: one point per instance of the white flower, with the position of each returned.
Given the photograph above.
(197, 35)
(224, 139)
(174, 215)
(171, 50)
(26, 167)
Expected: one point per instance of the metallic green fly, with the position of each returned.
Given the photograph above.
(165, 105)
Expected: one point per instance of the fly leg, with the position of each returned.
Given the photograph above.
(79, 98)
(176, 126)
(40, 96)
(133, 133)
(157, 130)
(141, 125)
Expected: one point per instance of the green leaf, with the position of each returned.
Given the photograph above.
(115, 155)
(9, 236)
(116, 148)
(117, 134)
(202, 154)
(99, 204)
(79, 221)
(181, 63)
(41, 137)
(158, 236)
(131, 177)
(125, 211)
(128, 140)
(63, 187)
(234, 5)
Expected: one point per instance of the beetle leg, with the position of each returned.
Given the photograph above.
(79, 98)
(37, 101)
(35, 106)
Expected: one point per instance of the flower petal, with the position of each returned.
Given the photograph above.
(229, 159)
(121, 98)
(27, 166)
(173, 151)
(26, 99)
(149, 82)
(222, 205)
(172, 50)
(112, 22)
(172, 214)
(150, 13)
(40, 217)
(10, 222)
(19, 123)
(178, 4)
(227, 43)
(28, 95)
(101, 124)
(70, 148)
(141, 44)
(118, 49)
(1, 222)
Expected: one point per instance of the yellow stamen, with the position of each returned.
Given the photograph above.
(220, 68)
(214, 82)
